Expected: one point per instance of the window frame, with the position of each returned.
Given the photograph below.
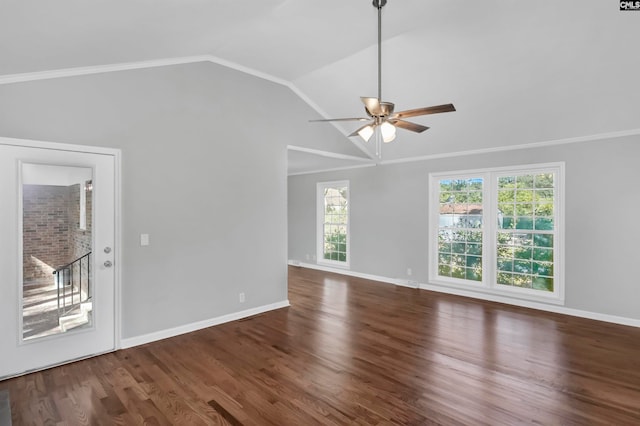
(490, 229)
(320, 215)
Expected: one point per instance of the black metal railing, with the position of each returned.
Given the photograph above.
(73, 281)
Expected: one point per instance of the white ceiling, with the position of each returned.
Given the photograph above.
(518, 72)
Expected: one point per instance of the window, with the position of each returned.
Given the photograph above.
(333, 223)
(460, 228)
(498, 231)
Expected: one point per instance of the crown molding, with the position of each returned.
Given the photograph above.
(327, 154)
(99, 69)
(335, 169)
(364, 162)
(323, 114)
(125, 66)
(577, 139)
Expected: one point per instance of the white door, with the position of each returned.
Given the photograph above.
(57, 234)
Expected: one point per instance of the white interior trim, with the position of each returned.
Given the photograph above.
(577, 139)
(335, 169)
(357, 142)
(188, 328)
(633, 322)
(117, 154)
(327, 154)
(70, 72)
(98, 69)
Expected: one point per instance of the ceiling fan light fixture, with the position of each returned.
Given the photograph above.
(388, 132)
(366, 132)
(383, 121)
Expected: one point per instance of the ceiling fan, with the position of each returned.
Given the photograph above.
(381, 114)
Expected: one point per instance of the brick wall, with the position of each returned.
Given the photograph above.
(51, 234)
(80, 238)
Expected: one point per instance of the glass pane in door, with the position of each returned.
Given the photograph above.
(56, 249)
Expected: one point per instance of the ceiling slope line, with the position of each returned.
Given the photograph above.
(323, 114)
(327, 154)
(335, 169)
(99, 69)
(153, 63)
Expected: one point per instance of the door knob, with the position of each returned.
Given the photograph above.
(107, 250)
(108, 264)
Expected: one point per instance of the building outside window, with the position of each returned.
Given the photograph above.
(499, 231)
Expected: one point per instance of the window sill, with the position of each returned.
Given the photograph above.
(334, 264)
(507, 293)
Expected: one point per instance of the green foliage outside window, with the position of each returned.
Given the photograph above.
(335, 223)
(335, 246)
(525, 259)
(525, 230)
(460, 236)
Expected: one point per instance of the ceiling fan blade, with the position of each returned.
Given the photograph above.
(424, 111)
(372, 105)
(356, 133)
(407, 125)
(340, 119)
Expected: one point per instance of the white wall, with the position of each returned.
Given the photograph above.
(601, 231)
(204, 173)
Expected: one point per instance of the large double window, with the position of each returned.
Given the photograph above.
(333, 223)
(498, 231)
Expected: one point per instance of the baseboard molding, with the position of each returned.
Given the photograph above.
(488, 297)
(188, 328)
(350, 273)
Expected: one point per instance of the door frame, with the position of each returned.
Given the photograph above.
(117, 156)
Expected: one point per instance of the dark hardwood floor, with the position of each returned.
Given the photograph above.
(352, 351)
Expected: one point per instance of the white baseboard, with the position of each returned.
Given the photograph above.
(188, 328)
(488, 297)
(350, 273)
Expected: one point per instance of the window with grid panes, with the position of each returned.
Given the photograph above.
(498, 230)
(460, 228)
(333, 223)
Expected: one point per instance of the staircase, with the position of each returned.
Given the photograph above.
(79, 316)
(73, 283)
(63, 305)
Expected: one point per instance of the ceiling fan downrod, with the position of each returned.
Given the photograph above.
(379, 4)
(380, 114)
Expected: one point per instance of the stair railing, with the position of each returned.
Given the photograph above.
(73, 282)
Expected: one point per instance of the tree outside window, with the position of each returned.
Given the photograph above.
(333, 217)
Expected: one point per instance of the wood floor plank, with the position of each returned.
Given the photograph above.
(355, 352)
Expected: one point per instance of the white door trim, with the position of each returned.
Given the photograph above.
(117, 154)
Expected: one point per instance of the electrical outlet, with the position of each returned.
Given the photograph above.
(241, 297)
(409, 271)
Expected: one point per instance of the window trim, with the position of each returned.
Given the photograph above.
(489, 284)
(320, 186)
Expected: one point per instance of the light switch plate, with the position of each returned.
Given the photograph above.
(144, 239)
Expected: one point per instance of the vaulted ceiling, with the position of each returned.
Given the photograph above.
(518, 72)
